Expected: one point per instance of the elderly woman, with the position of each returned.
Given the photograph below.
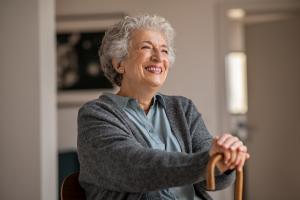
(139, 144)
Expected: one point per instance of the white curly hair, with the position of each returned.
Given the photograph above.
(117, 38)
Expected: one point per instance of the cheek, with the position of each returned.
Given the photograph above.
(167, 65)
(132, 64)
(140, 58)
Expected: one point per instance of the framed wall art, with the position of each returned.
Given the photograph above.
(78, 38)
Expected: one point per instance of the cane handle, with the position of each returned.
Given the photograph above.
(210, 177)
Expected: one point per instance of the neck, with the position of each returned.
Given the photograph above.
(142, 95)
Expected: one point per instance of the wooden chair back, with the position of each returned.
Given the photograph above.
(71, 189)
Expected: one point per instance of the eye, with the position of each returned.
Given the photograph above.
(146, 47)
(165, 51)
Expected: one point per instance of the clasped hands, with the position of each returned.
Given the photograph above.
(234, 151)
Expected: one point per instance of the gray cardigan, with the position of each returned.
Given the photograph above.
(116, 163)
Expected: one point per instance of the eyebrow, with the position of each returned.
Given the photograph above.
(149, 42)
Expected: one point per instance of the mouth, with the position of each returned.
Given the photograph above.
(153, 69)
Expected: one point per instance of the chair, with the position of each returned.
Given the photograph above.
(67, 164)
(70, 188)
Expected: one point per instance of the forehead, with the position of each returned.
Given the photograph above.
(146, 35)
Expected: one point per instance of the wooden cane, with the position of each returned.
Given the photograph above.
(210, 177)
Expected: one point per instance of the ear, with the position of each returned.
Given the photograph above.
(118, 66)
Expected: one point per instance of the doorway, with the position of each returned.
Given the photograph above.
(271, 41)
(273, 53)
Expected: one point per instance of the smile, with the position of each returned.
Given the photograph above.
(154, 69)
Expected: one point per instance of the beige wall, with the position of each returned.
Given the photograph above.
(27, 87)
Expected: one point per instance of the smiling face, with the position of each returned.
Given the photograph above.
(147, 63)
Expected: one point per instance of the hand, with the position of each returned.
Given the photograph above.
(234, 151)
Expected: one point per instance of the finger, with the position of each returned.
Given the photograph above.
(247, 156)
(223, 138)
(239, 158)
(242, 163)
(236, 145)
(243, 149)
(233, 157)
(227, 157)
(229, 142)
(214, 148)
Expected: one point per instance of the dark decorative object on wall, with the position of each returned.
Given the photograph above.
(79, 77)
(78, 62)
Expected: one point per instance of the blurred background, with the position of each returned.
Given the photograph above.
(239, 61)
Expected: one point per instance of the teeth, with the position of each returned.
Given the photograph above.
(154, 69)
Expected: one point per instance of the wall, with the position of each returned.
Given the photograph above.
(27, 87)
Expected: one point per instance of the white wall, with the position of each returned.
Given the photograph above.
(27, 87)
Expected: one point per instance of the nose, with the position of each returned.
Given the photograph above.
(156, 56)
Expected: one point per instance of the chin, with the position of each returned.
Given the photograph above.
(156, 84)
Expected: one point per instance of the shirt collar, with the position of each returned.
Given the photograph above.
(160, 99)
(124, 101)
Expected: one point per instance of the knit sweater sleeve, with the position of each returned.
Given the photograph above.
(111, 158)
